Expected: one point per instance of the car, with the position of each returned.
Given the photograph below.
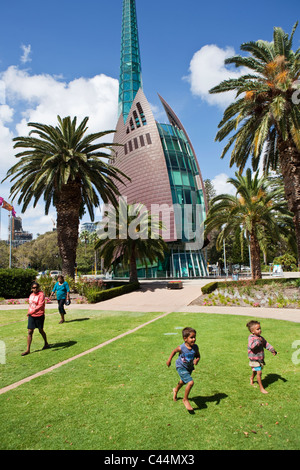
(55, 273)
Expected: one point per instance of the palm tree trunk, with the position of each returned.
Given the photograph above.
(290, 167)
(68, 206)
(133, 276)
(255, 256)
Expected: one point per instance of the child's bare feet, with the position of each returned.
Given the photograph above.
(174, 394)
(263, 391)
(187, 405)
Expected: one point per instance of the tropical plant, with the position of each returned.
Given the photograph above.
(67, 168)
(84, 236)
(133, 233)
(265, 117)
(255, 212)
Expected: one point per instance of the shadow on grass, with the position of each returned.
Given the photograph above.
(271, 378)
(76, 319)
(201, 401)
(59, 346)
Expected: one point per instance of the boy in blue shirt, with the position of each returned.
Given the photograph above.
(62, 294)
(189, 356)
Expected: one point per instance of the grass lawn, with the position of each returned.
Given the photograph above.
(120, 396)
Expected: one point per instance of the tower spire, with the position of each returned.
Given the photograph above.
(130, 68)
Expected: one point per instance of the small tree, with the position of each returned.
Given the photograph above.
(68, 168)
(134, 234)
(254, 212)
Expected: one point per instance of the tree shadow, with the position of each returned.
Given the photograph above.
(201, 401)
(271, 378)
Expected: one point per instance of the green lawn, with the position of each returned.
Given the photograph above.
(120, 396)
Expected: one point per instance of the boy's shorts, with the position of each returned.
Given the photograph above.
(35, 322)
(256, 366)
(184, 374)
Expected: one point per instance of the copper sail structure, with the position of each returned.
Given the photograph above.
(161, 162)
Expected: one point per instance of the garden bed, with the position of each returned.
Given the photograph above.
(174, 285)
(262, 293)
(75, 298)
(92, 295)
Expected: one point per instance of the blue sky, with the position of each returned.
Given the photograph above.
(63, 58)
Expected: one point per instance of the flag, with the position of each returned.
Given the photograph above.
(7, 206)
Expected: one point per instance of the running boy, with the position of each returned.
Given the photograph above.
(189, 356)
(256, 354)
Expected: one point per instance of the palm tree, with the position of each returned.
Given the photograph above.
(265, 117)
(259, 212)
(84, 236)
(132, 234)
(66, 167)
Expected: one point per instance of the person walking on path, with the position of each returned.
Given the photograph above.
(256, 354)
(189, 356)
(36, 316)
(62, 290)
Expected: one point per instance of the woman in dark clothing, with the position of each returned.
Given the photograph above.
(62, 290)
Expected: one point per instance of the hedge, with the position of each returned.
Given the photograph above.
(208, 288)
(16, 283)
(98, 296)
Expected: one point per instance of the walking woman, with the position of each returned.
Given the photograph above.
(62, 290)
(36, 316)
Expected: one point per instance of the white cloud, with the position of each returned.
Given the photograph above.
(6, 154)
(44, 97)
(2, 92)
(40, 98)
(26, 97)
(26, 52)
(35, 221)
(207, 70)
(221, 186)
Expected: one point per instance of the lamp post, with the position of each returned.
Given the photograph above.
(224, 250)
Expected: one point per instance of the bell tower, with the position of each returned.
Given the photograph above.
(130, 68)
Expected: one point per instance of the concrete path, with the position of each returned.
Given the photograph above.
(154, 296)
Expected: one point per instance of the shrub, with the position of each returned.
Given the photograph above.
(247, 284)
(46, 284)
(288, 261)
(16, 283)
(208, 288)
(94, 295)
(83, 286)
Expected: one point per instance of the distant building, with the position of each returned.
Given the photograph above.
(19, 236)
(160, 161)
(88, 226)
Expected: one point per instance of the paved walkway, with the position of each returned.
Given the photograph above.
(154, 296)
